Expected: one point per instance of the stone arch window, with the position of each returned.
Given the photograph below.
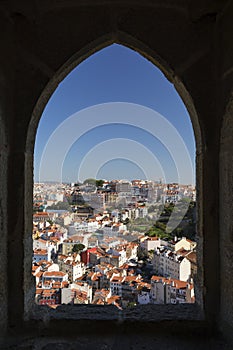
(150, 127)
(189, 312)
(191, 42)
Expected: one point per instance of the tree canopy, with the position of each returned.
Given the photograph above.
(99, 183)
(90, 181)
(186, 222)
(78, 247)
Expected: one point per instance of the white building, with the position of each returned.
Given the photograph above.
(116, 285)
(120, 252)
(185, 243)
(67, 219)
(39, 243)
(169, 264)
(144, 296)
(72, 268)
(150, 243)
(170, 291)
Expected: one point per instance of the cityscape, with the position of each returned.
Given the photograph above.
(114, 242)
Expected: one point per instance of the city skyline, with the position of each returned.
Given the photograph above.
(124, 244)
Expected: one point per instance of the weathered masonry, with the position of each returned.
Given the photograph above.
(191, 42)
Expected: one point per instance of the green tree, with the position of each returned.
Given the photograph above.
(78, 247)
(99, 183)
(90, 181)
(158, 230)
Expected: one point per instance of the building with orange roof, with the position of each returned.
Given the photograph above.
(41, 216)
(83, 292)
(101, 296)
(40, 255)
(150, 243)
(49, 277)
(116, 285)
(171, 291)
(185, 243)
(48, 296)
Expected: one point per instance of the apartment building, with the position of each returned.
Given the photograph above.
(171, 291)
(168, 263)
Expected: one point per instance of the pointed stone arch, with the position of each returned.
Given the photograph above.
(65, 68)
(40, 44)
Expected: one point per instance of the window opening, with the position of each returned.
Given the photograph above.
(114, 210)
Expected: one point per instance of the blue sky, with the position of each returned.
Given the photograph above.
(114, 74)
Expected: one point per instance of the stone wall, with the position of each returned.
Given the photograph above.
(191, 42)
